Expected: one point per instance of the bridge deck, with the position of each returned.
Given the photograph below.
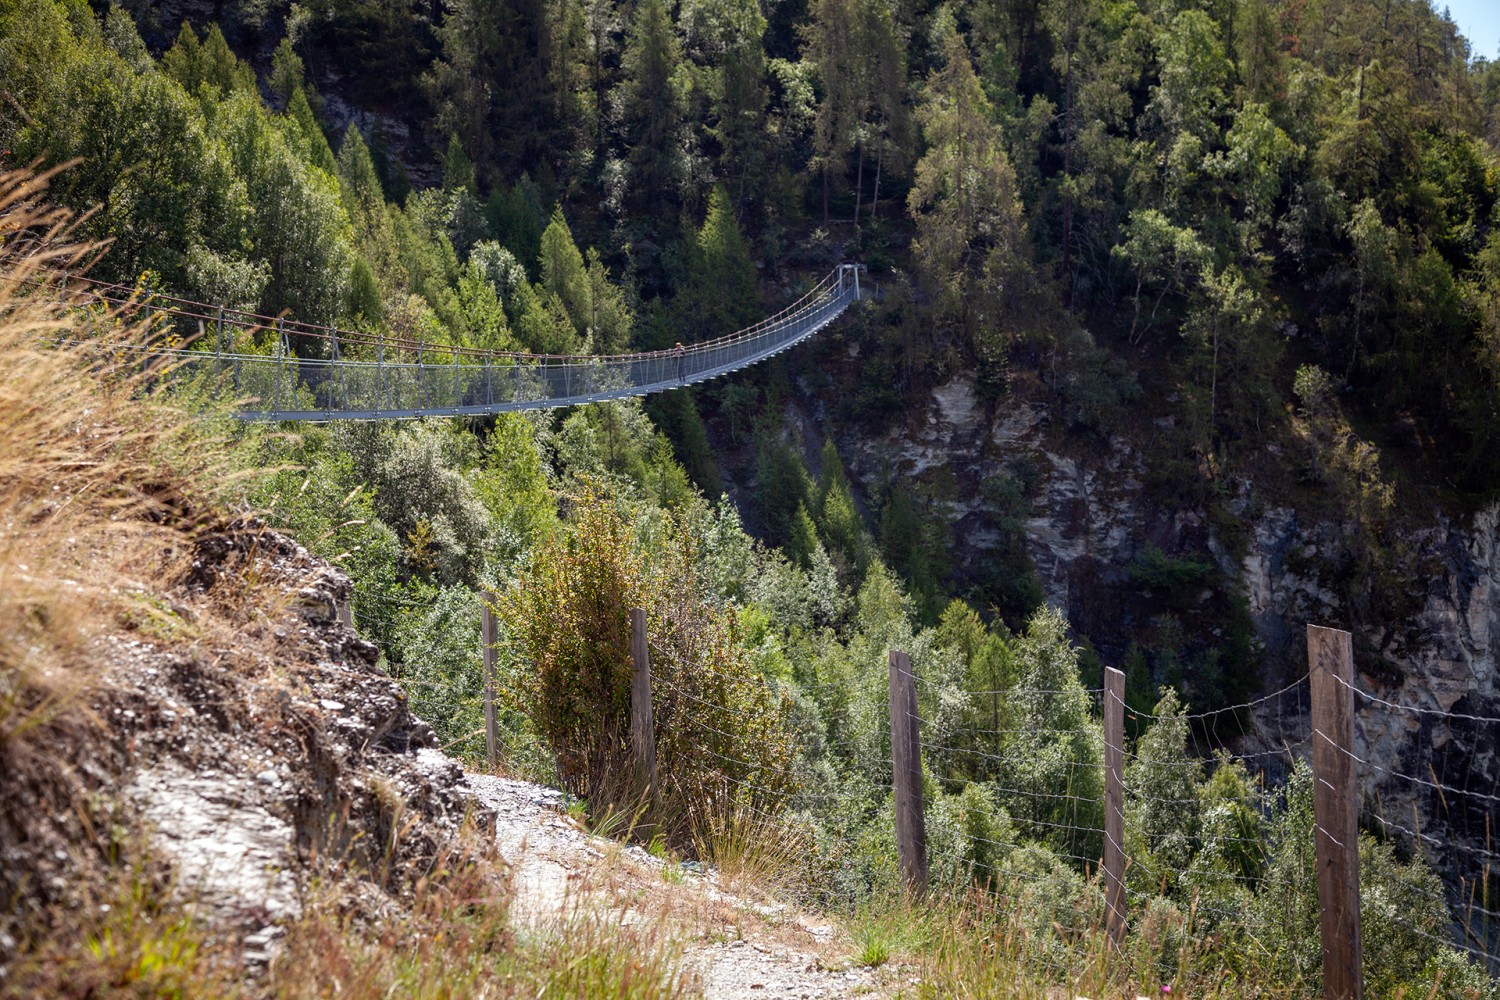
(284, 386)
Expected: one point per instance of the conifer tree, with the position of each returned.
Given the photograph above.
(286, 70)
(318, 152)
(364, 201)
(563, 273)
(210, 62)
(858, 55)
(720, 293)
(965, 202)
(652, 110)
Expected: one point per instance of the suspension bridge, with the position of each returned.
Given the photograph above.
(319, 373)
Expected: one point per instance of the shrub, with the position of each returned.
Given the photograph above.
(1053, 757)
(1402, 914)
(721, 735)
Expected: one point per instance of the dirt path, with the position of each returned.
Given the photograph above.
(736, 946)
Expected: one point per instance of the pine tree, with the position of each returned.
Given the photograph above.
(314, 142)
(563, 273)
(858, 54)
(965, 202)
(211, 62)
(652, 111)
(364, 201)
(721, 288)
(740, 97)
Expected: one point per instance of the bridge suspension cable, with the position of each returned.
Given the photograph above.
(404, 378)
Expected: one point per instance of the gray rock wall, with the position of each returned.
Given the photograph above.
(1090, 518)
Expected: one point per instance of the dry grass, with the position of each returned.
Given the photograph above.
(982, 945)
(95, 472)
(454, 938)
(756, 852)
(131, 937)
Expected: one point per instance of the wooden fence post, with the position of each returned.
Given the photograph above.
(1330, 661)
(906, 774)
(1114, 805)
(490, 637)
(642, 720)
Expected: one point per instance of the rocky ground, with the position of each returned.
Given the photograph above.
(738, 945)
(240, 753)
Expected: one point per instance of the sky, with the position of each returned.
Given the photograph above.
(1478, 21)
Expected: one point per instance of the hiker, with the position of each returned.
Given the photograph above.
(680, 353)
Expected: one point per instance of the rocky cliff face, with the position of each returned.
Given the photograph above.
(1089, 520)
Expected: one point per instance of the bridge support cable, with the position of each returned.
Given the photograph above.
(364, 376)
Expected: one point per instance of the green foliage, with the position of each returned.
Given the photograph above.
(964, 200)
(439, 660)
(719, 296)
(321, 499)
(569, 618)
(1401, 910)
(458, 169)
(652, 109)
(971, 836)
(512, 485)
(1176, 582)
(562, 272)
(207, 64)
(783, 487)
(311, 140)
(719, 731)
(1053, 757)
(1163, 822)
(430, 505)
(676, 413)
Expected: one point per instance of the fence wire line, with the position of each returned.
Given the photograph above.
(1242, 706)
(1458, 904)
(1417, 709)
(1423, 782)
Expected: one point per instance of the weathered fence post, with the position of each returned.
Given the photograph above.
(906, 774)
(1114, 805)
(1330, 662)
(489, 633)
(642, 720)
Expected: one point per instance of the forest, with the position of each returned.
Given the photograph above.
(1243, 223)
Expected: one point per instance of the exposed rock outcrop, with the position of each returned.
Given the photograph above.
(1090, 518)
(237, 752)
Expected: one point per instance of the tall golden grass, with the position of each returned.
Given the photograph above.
(100, 482)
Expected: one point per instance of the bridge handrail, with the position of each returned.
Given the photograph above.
(244, 319)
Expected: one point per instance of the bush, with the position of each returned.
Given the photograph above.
(721, 734)
(1053, 758)
(1402, 914)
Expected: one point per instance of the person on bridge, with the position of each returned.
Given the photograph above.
(680, 353)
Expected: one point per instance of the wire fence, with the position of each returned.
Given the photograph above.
(308, 372)
(1049, 786)
(1439, 801)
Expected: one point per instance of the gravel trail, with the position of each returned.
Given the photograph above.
(735, 946)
